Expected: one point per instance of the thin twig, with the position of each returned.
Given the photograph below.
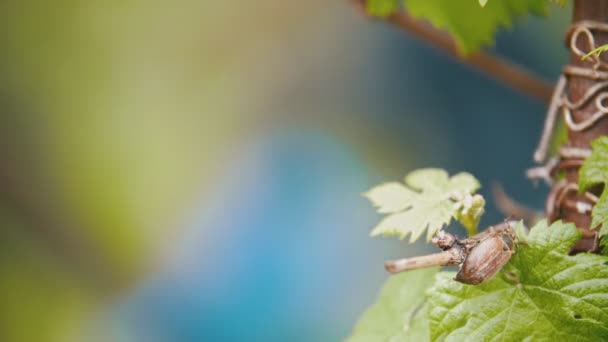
(450, 257)
(507, 206)
(505, 71)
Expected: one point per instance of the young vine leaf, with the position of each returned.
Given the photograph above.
(595, 172)
(481, 22)
(429, 201)
(399, 313)
(541, 294)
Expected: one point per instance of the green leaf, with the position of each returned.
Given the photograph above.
(400, 313)
(595, 169)
(381, 8)
(595, 172)
(431, 201)
(471, 25)
(391, 197)
(521, 232)
(604, 241)
(599, 215)
(541, 294)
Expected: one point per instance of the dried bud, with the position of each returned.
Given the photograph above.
(444, 240)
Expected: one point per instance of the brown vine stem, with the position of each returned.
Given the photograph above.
(502, 70)
(582, 103)
(509, 207)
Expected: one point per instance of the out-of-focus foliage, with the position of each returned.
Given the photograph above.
(471, 25)
(428, 201)
(41, 300)
(108, 131)
(117, 120)
(481, 23)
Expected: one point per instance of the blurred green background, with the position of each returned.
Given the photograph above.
(192, 170)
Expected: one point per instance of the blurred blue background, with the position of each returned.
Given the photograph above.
(192, 171)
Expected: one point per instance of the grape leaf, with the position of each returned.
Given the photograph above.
(400, 313)
(381, 8)
(541, 294)
(595, 172)
(431, 201)
(472, 25)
